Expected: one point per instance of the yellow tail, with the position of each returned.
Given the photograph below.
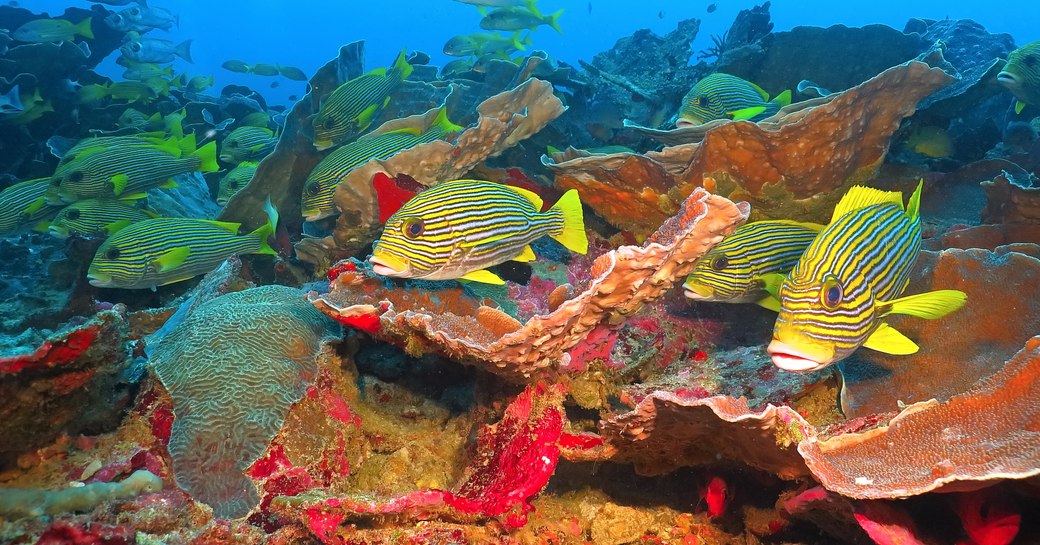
(208, 157)
(401, 68)
(572, 236)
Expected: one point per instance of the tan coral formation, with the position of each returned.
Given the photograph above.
(504, 120)
(1009, 202)
(795, 167)
(623, 280)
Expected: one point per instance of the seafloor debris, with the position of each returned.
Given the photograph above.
(621, 282)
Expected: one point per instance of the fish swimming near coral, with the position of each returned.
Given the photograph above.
(235, 180)
(351, 108)
(1021, 75)
(320, 187)
(162, 251)
(520, 18)
(293, 73)
(23, 203)
(52, 30)
(146, 70)
(264, 69)
(142, 19)
(120, 170)
(235, 65)
(722, 96)
(96, 218)
(735, 271)
(247, 144)
(459, 228)
(140, 49)
(483, 43)
(849, 279)
(930, 141)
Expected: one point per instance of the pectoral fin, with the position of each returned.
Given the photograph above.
(929, 305)
(115, 226)
(890, 341)
(771, 283)
(485, 276)
(119, 183)
(172, 259)
(770, 302)
(1019, 106)
(526, 256)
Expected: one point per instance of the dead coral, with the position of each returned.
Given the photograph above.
(623, 280)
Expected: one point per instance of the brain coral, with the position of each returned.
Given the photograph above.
(233, 367)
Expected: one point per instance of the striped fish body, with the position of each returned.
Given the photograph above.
(320, 187)
(247, 144)
(162, 251)
(96, 218)
(722, 96)
(97, 143)
(235, 180)
(23, 203)
(456, 229)
(849, 278)
(117, 170)
(350, 109)
(734, 271)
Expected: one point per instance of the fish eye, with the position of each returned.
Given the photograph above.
(328, 123)
(135, 47)
(413, 227)
(697, 101)
(313, 189)
(232, 184)
(112, 253)
(1029, 61)
(135, 12)
(719, 263)
(832, 293)
(72, 214)
(231, 144)
(76, 176)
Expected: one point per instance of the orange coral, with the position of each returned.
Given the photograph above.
(623, 280)
(1009, 202)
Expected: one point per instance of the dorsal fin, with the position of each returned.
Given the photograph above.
(861, 197)
(529, 195)
(225, 225)
(913, 207)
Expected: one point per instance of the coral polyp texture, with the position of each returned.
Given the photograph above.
(233, 367)
(621, 282)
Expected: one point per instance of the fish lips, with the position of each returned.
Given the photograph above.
(1008, 80)
(99, 280)
(698, 292)
(788, 358)
(383, 268)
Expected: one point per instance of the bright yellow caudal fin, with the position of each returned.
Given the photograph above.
(83, 28)
(401, 67)
(886, 339)
(267, 229)
(573, 235)
(929, 305)
(554, 21)
(913, 208)
(484, 276)
(861, 197)
(208, 157)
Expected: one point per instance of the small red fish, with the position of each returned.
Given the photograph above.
(716, 495)
(988, 517)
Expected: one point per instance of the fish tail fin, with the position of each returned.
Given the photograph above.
(783, 99)
(913, 208)
(401, 67)
(183, 50)
(517, 43)
(83, 28)
(443, 124)
(266, 230)
(572, 236)
(207, 157)
(554, 21)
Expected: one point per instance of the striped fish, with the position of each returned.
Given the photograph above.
(96, 143)
(96, 218)
(735, 270)
(121, 170)
(235, 180)
(350, 109)
(849, 279)
(162, 251)
(247, 144)
(722, 96)
(320, 187)
(459, 228)
(23, 203)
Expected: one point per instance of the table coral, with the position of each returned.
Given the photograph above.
(622, 281)
(233, 367)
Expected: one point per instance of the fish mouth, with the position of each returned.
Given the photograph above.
(1008, 80)
(99, 280)
(697, 292)
(314, 215)
(322, 145)
(788, 358)
(383, 268)
(684, 123)
(59, 232)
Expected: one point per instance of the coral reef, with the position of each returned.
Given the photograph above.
(621, 282)
(15, 503)
(230, 399)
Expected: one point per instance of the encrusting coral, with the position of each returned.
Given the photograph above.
(622, 281)
(233, 367)
(16, 503)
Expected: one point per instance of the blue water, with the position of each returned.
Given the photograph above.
(306, 34)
